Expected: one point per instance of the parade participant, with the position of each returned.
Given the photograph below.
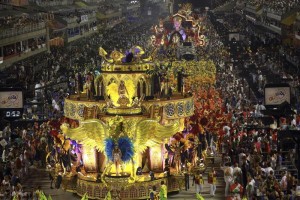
(198, 181)
(117, 154)
(178, 27)
(160, 33)
(51, 176)
(58, 180)
(236, 189)
(38, 192)
(177, 157)
(250, 188)
(228, 177)
(89, 85)
(163, 192)
(212, 180)
(195, 146)
(237, 172)
(187, 180)
(78, 83)
(153, 195)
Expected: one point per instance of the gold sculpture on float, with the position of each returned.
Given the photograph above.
(121, 95)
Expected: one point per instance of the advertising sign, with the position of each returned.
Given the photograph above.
(11, 102)
(11, 99)
(277, 95)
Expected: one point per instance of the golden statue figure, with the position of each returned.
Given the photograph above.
(123, 95)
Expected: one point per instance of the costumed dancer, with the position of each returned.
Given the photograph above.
(88, 85)
(163, 85)
(236, 189)
(58, 180)
(117, 154)
(177, 157)
(212, 180)
(78, 82)
(195, 151)
(228, 177)
(156, 80)
(195, 31)
(65, 161)
(178, 27)
(199, 182)
(160, 33)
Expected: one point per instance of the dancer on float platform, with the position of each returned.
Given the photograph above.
(117, 154)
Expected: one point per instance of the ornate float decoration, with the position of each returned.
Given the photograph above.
(124, 134)
(125, 131)
(184, 26)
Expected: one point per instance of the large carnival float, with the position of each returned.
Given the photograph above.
(123, 141)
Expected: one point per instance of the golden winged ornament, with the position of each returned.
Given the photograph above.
(91, 133)
(137, 134)
(144, 133)
(150, 132)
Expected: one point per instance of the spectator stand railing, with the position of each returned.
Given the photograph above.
(22, 30)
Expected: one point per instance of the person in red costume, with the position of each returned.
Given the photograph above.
(236, 189)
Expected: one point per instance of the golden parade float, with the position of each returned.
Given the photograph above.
(123, 140)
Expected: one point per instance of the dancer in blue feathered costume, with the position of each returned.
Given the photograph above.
(119, 151)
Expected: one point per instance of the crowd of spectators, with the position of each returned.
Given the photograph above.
(108, 8)
(276, 6)
(280, 6)
(45, 3)
(20, 21)
(21, 149)
(74, 13)
(261, 54)
(55, 71)
(234, 23)
(253, 163)
(250, 155)
(249, 148)
(256, 3)
(220, 3)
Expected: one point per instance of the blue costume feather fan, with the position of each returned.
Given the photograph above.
(125, 145)
(109, 146)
